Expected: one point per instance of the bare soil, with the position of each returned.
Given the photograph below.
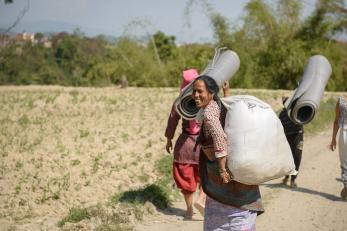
(65, 147)
(314, 205)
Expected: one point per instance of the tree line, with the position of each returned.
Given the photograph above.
(273, 43)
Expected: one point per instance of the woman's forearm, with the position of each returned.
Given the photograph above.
(335, 130)
(222, 162)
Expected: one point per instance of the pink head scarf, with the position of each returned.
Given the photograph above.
(188, 76)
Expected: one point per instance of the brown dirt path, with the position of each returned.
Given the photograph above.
(314, 205)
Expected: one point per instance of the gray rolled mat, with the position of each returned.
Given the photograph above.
(223, 66)
(304, 103)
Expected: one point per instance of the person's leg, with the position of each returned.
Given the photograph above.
(202, 195)
(184, 178)
(343, 161)
(199, 204)
(291, 142)
(285, 179)
(296, 147)
(188, 197)
(297, 160)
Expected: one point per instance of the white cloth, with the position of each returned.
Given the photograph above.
(343, 155)
(342, 144)
(343, 113)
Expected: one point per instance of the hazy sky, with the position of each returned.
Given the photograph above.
(113, 17)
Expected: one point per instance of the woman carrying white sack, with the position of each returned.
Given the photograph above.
(230, 205)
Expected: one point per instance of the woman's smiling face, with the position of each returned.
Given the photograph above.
(200, 94)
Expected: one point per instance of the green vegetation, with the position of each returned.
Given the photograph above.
(108, 219)
(274, 42)
(324, 118)
(75, 215)
(157, 193)
(152, 193)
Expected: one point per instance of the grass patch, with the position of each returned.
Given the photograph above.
(164, 167)
(75, 215)
(113, 227)
(54, 187)
(116, 218)
(143, 178)
(75, 162)
(152, 193)
(158, 193)
(19, 165)
(83, 133)
(96, 163)
(24, 121)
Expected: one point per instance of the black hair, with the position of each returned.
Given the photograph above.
(211, 86)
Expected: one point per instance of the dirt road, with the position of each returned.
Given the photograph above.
(314, 205)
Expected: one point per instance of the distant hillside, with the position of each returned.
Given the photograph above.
(47, 26)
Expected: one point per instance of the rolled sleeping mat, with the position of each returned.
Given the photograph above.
(304, 103)
(223, 66)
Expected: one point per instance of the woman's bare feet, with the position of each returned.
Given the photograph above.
(200, 206)
(189, 214)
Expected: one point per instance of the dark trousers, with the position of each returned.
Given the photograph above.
(296, 144)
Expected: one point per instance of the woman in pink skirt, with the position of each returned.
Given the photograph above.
(186, 159)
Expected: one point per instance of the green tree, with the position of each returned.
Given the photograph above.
(39, 36)
(165, 45)
(221, 30)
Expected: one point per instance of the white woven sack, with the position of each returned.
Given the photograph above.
(258, 150)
